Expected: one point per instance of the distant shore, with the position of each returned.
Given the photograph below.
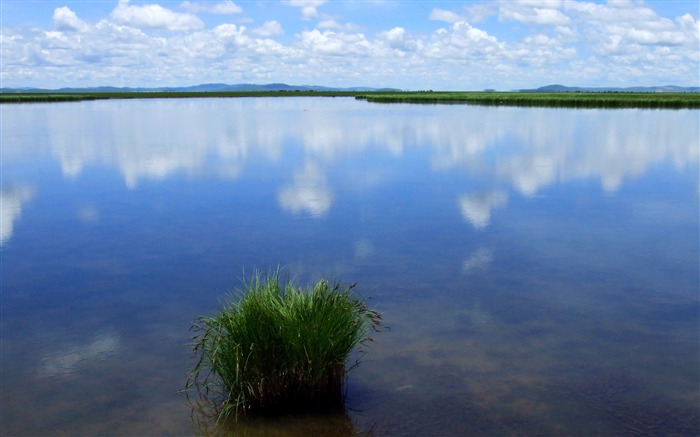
(545, 99)
(538, 99)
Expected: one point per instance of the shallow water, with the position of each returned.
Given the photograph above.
(538, 268)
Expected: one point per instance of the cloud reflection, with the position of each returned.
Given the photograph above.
(88, 214)
(308, 192)
(11, 200)
(477, 260)
(523, 150)
(363, 249)
(476, 208)
(75, 357)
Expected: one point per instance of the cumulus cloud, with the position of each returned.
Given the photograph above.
(525, 13)
(309, 8)
(66, 20)
(444, 15)
(631, 40)
(335, 25)
(154, 16)
(478, 13)
(269, 28)
(222, 7)
(570, 42)
(463, 41)
(397, 38)
(334, 43)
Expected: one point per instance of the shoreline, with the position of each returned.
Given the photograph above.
(525, 99)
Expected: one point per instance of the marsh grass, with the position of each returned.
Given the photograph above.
(278, 348)
(666, 100)
(609, 100)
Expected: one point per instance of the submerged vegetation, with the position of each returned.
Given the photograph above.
(278, 348)
(668, 100)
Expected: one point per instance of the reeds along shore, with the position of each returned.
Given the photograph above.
(278, 348)
(543, 99)
(608, 100)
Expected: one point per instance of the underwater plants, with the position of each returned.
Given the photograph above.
(278, 347)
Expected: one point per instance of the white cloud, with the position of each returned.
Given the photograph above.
(397, 38)
(463, 42)
(154, 16)
(516, 11)
(539, 50)
(269, 28)
(611, 44)
(222, 7)
(566, 33)
(309, 8)
(632, 41)
(478, 13)
(65, 19)
(333, 24)
(444, 15)
(334, 43)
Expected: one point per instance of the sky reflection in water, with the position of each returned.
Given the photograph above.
(538, 267)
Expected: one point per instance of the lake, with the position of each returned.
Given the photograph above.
(538, 269)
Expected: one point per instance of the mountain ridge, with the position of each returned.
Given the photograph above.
(634, 89)
(250, 87)
(206, 87)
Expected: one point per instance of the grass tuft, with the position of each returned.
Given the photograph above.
(278, 347)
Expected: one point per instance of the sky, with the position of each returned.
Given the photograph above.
(417, 45)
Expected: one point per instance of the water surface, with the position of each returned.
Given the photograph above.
(538, 268)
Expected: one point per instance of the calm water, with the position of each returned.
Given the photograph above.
(538, 268)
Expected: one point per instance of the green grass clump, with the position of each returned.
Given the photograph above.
(279, 348)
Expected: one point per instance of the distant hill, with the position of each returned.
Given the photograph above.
(208, 87)
(250, 87)
(634, 89)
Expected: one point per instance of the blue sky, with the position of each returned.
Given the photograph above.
(440, 45)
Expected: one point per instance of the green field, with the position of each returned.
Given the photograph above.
(557, 99)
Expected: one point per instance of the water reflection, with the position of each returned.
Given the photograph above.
(308, 192)
(363, 249)
(156, 139)
(325, 424)
(88, 214)
(11, 201)
(71, 358)
(476, 208)
(477, 260)
(512, 250)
